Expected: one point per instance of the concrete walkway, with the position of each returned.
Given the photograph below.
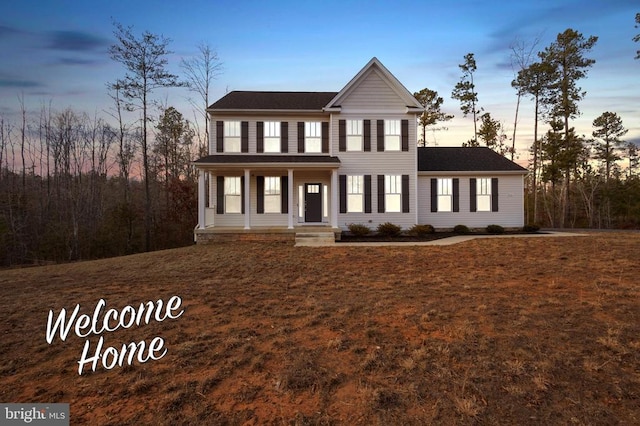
(442, 241)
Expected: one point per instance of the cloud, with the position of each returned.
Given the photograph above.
(6, 31)
(75, 61)
(17, 83)
(76, 41)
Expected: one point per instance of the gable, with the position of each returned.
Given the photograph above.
(373, 92)
(374, 88)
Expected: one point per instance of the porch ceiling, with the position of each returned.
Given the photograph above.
(267, 161)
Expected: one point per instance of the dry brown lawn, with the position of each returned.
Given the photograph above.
(492, 331)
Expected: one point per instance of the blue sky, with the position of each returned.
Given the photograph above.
(56, 51)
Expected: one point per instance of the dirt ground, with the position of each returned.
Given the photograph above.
(502, 331)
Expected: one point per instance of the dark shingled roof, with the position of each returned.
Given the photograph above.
(240, 100)
(266, 158)
(461, 159)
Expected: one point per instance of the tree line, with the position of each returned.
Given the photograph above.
(75, 186)
(574, 180)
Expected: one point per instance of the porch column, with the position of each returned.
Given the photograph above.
(212, 192)
(290, 196)
(334, 198)
(247, 197)
(202, 197)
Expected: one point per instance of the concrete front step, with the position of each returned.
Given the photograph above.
(315, 238)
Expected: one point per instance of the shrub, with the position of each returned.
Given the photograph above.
(461, 229)
(532, 227)
(421, 230)
(495, 229)
(359, 230)
(388, 229)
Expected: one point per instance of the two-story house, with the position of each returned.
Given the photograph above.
(281, 162)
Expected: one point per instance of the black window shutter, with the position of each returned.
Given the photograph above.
(343, 193)
(284, 136)
(367, 193)
(284, 194)
(405, 134)
(342, 135)
(380, 193)
(242, 193)
(260, 136)
(405, 193)
(366, 129)
(380, 135)
(219, 136)
(260, 194)
(456, 195)
(220, 194)
(325, 137)
(300, 136)
(434, 195)
(244, 136)
(473, 206)
(494, 194)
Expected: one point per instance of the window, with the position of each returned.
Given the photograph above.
(272, 203)
(271, 136)
(355, 194)
(354, 135)
(445, 195)
(232, 194)
(392, 135)
(483, 195)
(232, 136)
(313, 136)
(393, 193)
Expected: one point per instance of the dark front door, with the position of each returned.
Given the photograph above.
(313, 202)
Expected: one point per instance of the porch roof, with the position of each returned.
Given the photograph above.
(268, 160)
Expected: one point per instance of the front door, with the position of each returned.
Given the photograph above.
(313, 202)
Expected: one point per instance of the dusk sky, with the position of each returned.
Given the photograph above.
(56, 51)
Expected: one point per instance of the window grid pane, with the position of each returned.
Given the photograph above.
(312, 129)
(392, 127)
(354, 127)
(232, 128)
(272, 194)
(445, 192)
(232, 191)
(271, 129)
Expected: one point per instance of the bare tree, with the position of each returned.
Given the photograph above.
(145, 59)
(521, 55)
(200, 71)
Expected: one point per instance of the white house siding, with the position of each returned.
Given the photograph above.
(253, 119)
(510, 212)
(376, 163)
(373, 93)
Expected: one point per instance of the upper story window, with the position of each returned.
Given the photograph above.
(232, 194)
(313, 137)
(272, 202)
(445, 195)
(393, 193)
(232, 136)
(354, 135)
(392, 133)
(271, 136)
(355, 194)
(483, 194)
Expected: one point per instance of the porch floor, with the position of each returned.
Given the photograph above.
(213, 234)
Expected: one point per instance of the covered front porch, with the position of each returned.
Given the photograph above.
(249, 196)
